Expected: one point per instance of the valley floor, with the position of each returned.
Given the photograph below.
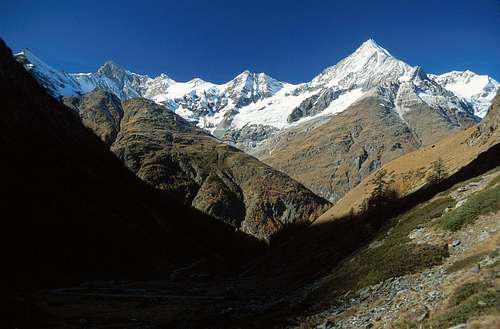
(435, 266)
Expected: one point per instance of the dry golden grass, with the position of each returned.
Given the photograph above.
(410, 171)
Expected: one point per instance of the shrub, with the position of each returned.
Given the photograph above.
(483, 202)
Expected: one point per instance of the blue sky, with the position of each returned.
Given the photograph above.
(290, 40)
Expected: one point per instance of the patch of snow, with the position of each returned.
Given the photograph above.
(272, 111)
(337, 105)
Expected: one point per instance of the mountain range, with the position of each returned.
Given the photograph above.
(352, 118)
(252, 106)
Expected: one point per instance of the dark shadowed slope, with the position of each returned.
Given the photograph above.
(69, 208)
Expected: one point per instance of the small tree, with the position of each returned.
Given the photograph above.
(438, 172)
(380, 193)
(379, 204)
(380, 187)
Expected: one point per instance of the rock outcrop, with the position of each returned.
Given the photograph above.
(488, 129)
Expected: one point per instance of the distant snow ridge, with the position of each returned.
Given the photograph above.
(253, 106)
(476, 89)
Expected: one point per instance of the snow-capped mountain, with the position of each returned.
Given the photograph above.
(369, 66)
(253, 106)
(478, 90)
(372, 66)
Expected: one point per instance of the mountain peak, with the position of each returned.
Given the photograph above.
(110, 66)
(24, 52)
(245, 73)
(112, 70)
(367, 66)
(196, 82)
(370, 46)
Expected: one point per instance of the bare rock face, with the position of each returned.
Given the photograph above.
(249, 136)
(100, 111)
(169, 153)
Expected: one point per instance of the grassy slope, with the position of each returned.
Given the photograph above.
(410, 170)
(394, 254)
(480, 203)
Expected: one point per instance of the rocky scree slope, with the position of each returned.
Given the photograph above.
(171, 154)
(340, 248)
